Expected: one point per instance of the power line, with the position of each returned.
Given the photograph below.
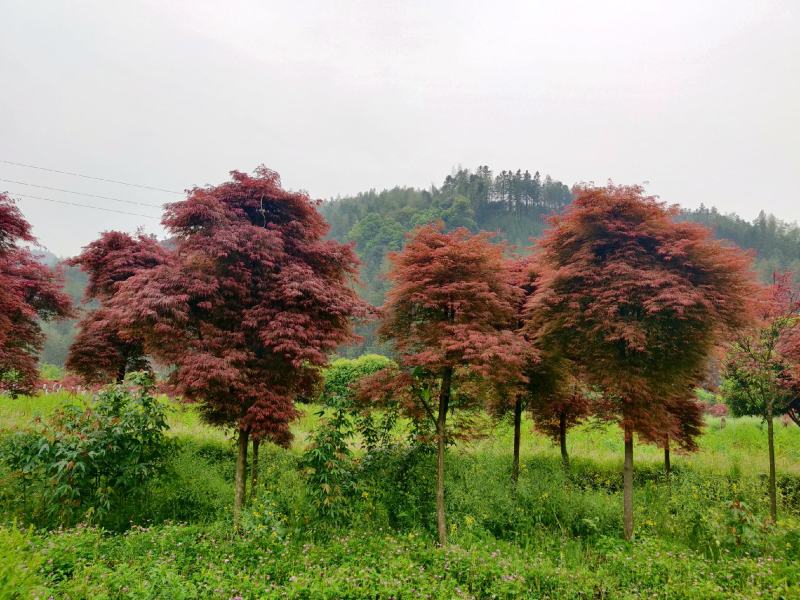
(55, 189)
(136, 185)
(122, 212)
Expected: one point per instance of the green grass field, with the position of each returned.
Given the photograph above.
(557, 535)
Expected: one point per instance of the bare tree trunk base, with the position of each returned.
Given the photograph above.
(773, 491)
(517, 438)
(254, 470)
(240, 482)
(627, 484)
(441, 445)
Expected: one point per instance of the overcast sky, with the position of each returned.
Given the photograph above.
(698, 98)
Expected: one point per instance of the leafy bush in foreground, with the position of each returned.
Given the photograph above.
(83, 462)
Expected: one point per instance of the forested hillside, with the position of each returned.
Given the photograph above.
(775, 242)
(515, 204)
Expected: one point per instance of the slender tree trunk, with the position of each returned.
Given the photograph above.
(123, 367)
(240, 484)
(667, 463)
(773, 493)
(627, 485)
(441, 439)
(517, 436)
(254, 469)
(562, 438)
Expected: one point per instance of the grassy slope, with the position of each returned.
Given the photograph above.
(740, 444)
(556, 537)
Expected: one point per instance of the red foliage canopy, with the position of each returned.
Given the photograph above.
(252, 301)
(29, 291)
(451, 315)
(452, 306)
(783, 303)
(99, 353)
(763, 366)
(551, 390)
(115, 257)
(638, 299)
(564, 397)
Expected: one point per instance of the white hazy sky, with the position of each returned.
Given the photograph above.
(698, 98)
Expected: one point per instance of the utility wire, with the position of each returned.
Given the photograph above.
(122, 212)
(54, 189)
(145, 187)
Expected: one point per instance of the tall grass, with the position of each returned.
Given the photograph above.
(701, 533)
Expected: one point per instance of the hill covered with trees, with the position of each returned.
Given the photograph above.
(776, 243)
(515, 205)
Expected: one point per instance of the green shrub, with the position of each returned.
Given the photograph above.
(330, 469)
(50, 372)
(11, 382)
(342, 373)
(84, 462)
(332, 474)
(195, 486)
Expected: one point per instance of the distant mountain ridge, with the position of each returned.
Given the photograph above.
(515, 204)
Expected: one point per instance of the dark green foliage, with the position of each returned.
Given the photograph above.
(776, 242)
(194, 487)
(85, 462)
(375, 235)
(342, 373)
(513, 203)
(332, 473)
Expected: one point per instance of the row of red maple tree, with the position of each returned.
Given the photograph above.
(615, 314)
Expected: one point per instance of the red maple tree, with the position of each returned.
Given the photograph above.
(639, 300)
(451, 316)
(99, 353)
(558, 402)
(763, 364)
(252, 302)
(29, 292)
(550, 389)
